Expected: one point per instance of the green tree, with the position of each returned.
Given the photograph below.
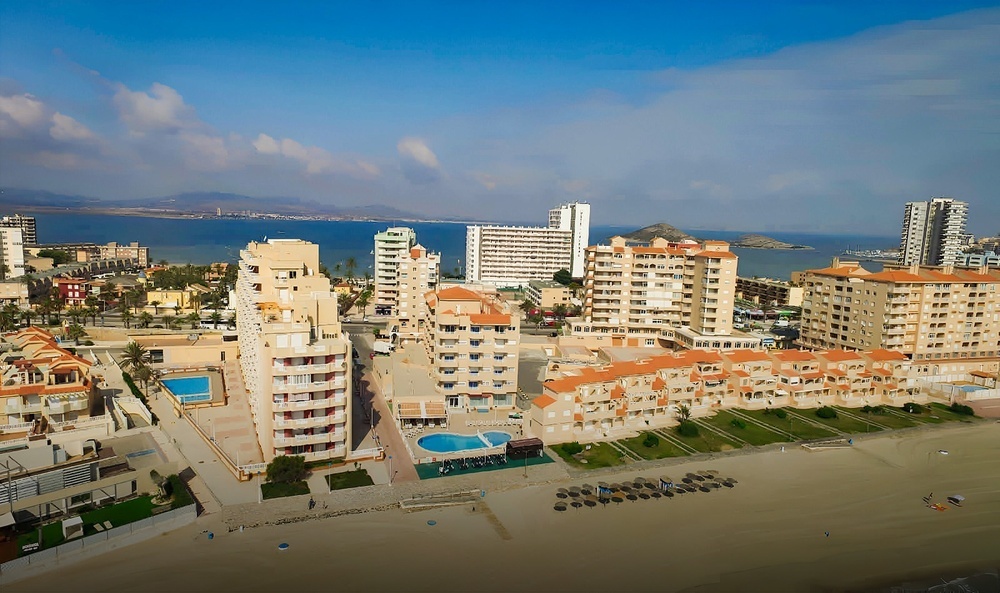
(683, 412)
(363, 299)
(145, 318)
(75, 332)
(27, 315)
(563, 277)
(287, 469)
(194, 319)
(215, 317)
(144, 375)
(126, 317)
(169, 321)
(134, 356)
(156, 307)
(59, 257)
(351, 265)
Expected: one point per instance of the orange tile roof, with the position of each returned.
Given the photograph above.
(719, 254)
(839, 355)
(745, 355)
(543, 401)
(885, 355)
(457, 293)
(843, 271)
(794, 355)
(489, 319)
(578, 417)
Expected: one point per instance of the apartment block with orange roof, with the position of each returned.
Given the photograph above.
(471, 340)
(44, 385)
(928, 313)
(662, 294)
(419, 272)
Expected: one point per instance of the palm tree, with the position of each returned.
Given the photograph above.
(92, 302)
(145, 318)
(126, 317)
(231, 321)
(363, 299)
(683, 412)
(143, 374)
(351, 264)
(8, 317)
(194, 318)
(156, 306)
(168, 321)
(27, 315)
(75, 332)
(215, 317)
(134, 356)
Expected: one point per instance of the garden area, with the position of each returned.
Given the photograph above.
(779, 418)
(351, 479)
(652, 448)
(701, 440)
(742, 429)
(829, 417)
(286, 475)
(590, 456)
(117, 515)
(883, 415)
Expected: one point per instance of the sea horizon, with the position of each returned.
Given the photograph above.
(201, 241)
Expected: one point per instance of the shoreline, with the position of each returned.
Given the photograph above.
(764, 534)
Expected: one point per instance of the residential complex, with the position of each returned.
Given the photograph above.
(977, 260)
(927, 313)
(933, 232)
(471, 341)
(547, 294)
(11, 253)
(508, 256)
(766, 292)
(587, 403)
(391, 246)
(294, 355)
(89, 252)
(672, 294)
(25, 223)
(45, 387)
(419, 273)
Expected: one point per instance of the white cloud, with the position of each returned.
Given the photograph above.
(205, 152)
(317, 160)
(67, 129)
(20, 112)
(416, 149)
(161, 109)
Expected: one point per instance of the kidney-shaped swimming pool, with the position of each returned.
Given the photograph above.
(446, 442)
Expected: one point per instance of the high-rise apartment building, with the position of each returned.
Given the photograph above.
(574, 217)
(516, 255)
(391, 246)
(926, 313)
(472, 340)
(296, 360)
(11, 253)
(27, 225)
(933, 232)
(671, 294)
(419, 273)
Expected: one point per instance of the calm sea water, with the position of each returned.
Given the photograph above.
(203, 241)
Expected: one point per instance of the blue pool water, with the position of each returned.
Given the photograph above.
(970, 388)
(189, 389)
(446, 442)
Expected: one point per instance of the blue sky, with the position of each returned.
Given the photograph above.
(778, 116)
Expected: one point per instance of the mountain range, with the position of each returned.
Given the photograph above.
(195, 203)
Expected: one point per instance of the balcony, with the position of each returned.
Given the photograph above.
(310, 439)
(309, 368)
(310, 404)
(313, 422)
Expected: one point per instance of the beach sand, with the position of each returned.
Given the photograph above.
(766, 534)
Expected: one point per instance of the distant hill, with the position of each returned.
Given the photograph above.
(197, 203)
(663, 230)
(673, 234)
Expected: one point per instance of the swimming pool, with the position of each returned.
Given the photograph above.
(189, 389)
(446, 442)
(970, 388)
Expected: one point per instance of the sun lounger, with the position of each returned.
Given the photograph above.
(98, 527)
(108, 525)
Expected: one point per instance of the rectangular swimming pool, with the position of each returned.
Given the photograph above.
(189, 389)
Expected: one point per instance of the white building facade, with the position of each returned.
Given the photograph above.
(574, 217)
(391, 246)
(933, 232)
(11, 252)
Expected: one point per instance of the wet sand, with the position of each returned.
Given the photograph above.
(766, 534)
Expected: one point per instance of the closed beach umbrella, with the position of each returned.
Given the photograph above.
(590, 501)
(560, 506)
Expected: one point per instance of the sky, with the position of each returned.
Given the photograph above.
(777, 116)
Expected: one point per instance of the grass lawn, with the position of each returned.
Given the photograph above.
(599, 455)
(119, 514)
(351, 479)
(279, 489)
(942, 412)
(753, 434)
(51, 536)
(800, 429)
(887, 419)
(664, 449)
(705, 442)
(841, 422)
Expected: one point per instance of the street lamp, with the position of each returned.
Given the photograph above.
(390, 469)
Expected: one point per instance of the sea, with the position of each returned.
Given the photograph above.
(207, 240)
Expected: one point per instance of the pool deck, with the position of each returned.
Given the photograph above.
(217, 386)
(462, 424)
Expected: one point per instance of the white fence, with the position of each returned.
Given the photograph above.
(141, 407)
(85, 547)
(956, 392)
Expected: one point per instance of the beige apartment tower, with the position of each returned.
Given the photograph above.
(294, 354)
(419, 273)
(391, 247)
(927, 313)
(672, 294)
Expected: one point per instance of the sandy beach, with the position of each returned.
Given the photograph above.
(766, 534)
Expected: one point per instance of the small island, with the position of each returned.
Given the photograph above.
(753, 241)
(673, 234)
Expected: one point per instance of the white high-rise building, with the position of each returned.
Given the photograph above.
(25, 223)
(391, 246)
(574, 217)
(507, 256)
(11, 252)
(933, 232)
(295, 358)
